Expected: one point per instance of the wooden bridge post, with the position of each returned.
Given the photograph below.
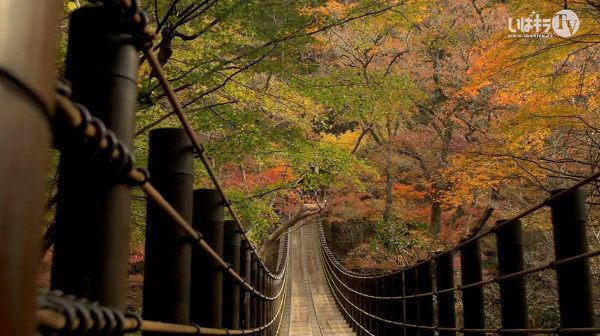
(368, 301)
(411, 308)
(382, 290)
(369, 307)
(270, 315)
(513, 304)
(373, 306)
(425, 303)
(362, 283)
(349, 295)
(167, 268)
(397, 306)
(91, 245)
(446, 311)
(472, 297)
(246, 272)
(388, 306)
(28, 44)
(253, 298)
(231, 289)
(574, 281)
(261, 303)
(350, 305)
(358, 302)
(206, 303)
(267, 308)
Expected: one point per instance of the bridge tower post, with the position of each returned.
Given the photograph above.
(231, 289)
(253, 298)
(398, 306)
(244, 294)
(373, 305)
(93, 210)
(425, 303)
(27, 84)
(574, 279)
(446, 311)
(362, 287)
(206, 304)
(411, 307)
(167, 268)
(382, 287)
(260, 278)
(470, 260)
(513, 304)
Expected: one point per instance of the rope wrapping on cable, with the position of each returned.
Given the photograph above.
(65, 315)
(75, 128)
(82, 317)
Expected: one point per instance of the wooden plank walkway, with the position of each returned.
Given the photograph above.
(310, 307)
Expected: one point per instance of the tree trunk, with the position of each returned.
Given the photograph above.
(389, 197)
(436, 218)
(305, 211)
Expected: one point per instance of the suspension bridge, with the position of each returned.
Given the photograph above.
(203, 275)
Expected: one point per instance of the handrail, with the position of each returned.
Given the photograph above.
(57, 321)
(361, 295)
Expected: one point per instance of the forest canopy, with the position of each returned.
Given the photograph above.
(400, 122)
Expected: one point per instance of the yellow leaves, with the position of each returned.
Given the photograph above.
(71, 6)
(332, 7)
(346, 140)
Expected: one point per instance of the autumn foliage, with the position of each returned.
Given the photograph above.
(411, 118)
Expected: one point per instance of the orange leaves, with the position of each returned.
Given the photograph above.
(408, 192)
(332, 8)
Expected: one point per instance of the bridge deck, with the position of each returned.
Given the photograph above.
(314, 311)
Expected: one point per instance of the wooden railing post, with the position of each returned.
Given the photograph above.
(246, 272)
(425, 303)
(513, 304)
(411, 305)
(446, 311)
(362, 283)
(167, 268)
(371, 309)
(93, 211)
(206, 304)
(574, 279)
(261, 303)
(354, 299)
(397, 307)
(472, 297)
(28, 44)
(382, 290)
(231, 289)
(253, 298)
